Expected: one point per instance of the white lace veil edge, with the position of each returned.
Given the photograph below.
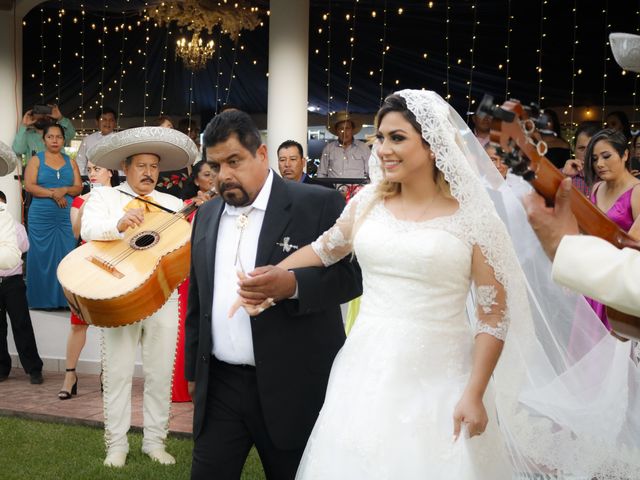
(567, 393)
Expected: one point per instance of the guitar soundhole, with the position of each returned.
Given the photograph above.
(144, 240)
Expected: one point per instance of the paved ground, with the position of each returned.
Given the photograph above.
(40, 402)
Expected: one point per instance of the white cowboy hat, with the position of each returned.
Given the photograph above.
(626, 50)
(343, 116)
(8, 159)
(174, 148)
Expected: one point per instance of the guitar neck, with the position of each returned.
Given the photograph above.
(546, 182)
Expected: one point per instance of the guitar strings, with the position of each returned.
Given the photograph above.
(175, 217)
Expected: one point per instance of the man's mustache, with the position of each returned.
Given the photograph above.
(228, 186)
(147, 179)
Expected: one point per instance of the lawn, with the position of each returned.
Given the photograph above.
(39, 450)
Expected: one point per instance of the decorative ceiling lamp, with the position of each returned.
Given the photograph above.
(194, 53)
(199, 16)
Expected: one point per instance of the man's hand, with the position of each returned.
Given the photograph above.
(267, 282)
(56, 114)
(573, 167)
(131, 219)
(27, 119)
(551, 224)
(191, 388)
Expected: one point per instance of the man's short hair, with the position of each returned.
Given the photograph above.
(291, 143)
(3, 197)
(105, 110)
(233, 122)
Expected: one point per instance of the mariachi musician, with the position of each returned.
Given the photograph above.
(142, 153)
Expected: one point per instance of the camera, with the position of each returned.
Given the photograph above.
(41, 109)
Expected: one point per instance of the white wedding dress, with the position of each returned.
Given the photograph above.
(388, 412)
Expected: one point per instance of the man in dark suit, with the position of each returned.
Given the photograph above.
(259, 380)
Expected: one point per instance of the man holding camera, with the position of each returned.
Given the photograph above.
(29, 140)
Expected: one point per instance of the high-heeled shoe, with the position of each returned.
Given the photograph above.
(66, 395)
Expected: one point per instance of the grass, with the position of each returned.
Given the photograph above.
(38, 450)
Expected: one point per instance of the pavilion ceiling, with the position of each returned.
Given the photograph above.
(138, 69)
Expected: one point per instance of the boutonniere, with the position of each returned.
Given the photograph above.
(286, 246)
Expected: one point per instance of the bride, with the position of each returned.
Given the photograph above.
(426, 387)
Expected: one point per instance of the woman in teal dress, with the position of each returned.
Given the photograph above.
(52, 179)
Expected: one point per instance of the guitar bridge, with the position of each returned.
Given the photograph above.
(106, 266)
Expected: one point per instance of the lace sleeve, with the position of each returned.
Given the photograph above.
(490, 298)
(337, 242)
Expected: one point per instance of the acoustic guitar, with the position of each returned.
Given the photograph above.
(120, 282)
(513, 129)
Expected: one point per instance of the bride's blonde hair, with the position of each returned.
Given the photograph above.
(385, 188)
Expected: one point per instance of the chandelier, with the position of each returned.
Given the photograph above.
(199, 16)
(195, 53)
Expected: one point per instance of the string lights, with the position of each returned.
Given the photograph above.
(104, 33)
(383, 40)
(103, 55)
(123, 39)
(42, 47)
(574, 45)
(82, 27)
(539, 51)
(606, 58)
(635, 80)
(145, 68)
(446, 38)
(218, 74)
(234, 62)
(352, 41)
(58, 66)
(327, 18)
(164, 69)
(470, 101)
(507, 47)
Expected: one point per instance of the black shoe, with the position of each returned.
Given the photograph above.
(36, 378)
(64, 394)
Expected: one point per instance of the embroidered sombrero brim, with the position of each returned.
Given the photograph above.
(175, 149)
(8, 159)
(338, 117)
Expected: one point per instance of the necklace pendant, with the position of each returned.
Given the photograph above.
(58, 175)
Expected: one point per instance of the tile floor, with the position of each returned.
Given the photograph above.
(40, 402)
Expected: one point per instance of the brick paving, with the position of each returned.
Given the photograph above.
(40, 402)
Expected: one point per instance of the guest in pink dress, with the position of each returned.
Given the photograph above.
(616, 194)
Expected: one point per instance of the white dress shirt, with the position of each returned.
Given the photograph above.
(9, 251)
(105, 208)
(231, 337)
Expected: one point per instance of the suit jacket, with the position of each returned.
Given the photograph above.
(294, 342)
(610, 276)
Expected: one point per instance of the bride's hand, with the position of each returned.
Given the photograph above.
(469, 410)
(250, 306)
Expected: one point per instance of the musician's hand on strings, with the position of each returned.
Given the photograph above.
(552, 223)
(253, 306)
(131, 219)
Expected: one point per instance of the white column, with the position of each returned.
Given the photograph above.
(288, 75)
(10, 97)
